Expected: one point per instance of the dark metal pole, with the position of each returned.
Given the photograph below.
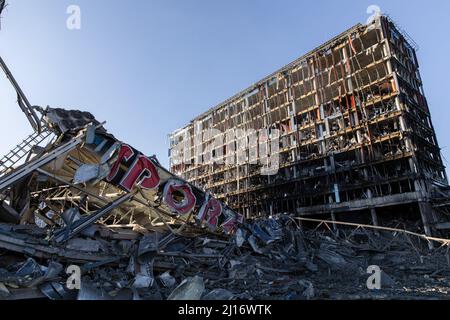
(27, 108)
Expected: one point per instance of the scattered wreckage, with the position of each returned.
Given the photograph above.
(279, 261)
(85, 216)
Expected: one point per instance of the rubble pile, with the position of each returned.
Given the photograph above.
(86, 216)
(265, 259)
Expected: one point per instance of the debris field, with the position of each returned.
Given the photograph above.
(278, 261)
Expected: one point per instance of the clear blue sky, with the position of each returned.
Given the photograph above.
(148, 67)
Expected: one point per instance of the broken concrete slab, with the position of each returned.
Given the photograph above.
(190, 289)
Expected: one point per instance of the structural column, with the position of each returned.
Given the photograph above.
(427, 219)
(373, 213)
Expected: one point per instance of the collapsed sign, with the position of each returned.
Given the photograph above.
(129, 169)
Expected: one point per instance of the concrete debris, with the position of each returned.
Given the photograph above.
(89, 172)
(189, 289)
(4, 292)
(300, 264)
(309, 291)
(333, 259)
(142, 281)
(343, 134)
(252, 242)
(167, 280)
(218, 294)
(386, 280)
(8, 214)
(90, 292)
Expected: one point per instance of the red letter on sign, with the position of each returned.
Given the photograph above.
(142, 172)
(125, 153)
(183, 206)
(230, 221)
(211, 210)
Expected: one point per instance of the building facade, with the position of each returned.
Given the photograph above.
(343, 129)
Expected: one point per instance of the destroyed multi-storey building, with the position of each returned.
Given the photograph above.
(347, 126)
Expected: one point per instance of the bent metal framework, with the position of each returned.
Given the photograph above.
(354, 137)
